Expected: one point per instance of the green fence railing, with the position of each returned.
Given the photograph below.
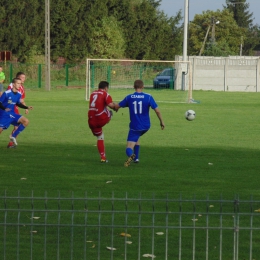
(61, 75)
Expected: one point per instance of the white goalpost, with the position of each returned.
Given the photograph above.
(156, 75)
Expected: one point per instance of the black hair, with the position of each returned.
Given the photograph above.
(103, 84)
(15, 80)
(18, 74)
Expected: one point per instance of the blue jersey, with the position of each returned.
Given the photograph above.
(9, 99)
(139, 104)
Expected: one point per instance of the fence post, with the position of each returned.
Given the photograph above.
(67, 74)
(39, 75)
(11, 72)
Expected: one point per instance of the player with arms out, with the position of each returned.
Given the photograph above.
(8, 101)
(99, 115)
(139, 104)
(22, 77)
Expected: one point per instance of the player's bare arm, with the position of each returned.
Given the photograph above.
(158, 113)
(112, 106)
(116, 107)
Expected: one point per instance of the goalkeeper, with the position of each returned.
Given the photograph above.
(139, 104)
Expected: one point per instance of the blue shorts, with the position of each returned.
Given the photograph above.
(7, 119)
(133, 136)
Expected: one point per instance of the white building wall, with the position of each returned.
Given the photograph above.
(234, 73)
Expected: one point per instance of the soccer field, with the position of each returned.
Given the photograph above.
(213, 159)
(217, 153)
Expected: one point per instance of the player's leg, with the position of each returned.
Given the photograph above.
(130, 153)
(101, 148)
(133, 146)
(5, 121)
(101, 138)
(22, 123)
(132, 138)
(98, 132)
(136, 151)
(11, 144)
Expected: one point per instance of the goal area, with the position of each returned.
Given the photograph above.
(172, 78)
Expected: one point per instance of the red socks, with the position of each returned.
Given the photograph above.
(101, 149)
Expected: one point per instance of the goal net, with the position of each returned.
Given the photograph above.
(173, 79)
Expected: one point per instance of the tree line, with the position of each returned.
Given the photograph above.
(134, 29)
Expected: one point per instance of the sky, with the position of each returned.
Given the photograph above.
(171, 7)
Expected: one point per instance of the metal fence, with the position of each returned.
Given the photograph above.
(61, 74)
(128, 228)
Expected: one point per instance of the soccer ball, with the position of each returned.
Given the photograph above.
(190, 115)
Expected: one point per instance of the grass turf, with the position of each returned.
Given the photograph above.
(58, 152)
(215, 156)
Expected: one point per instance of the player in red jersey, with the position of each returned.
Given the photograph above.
(22, 77)
(99, 115)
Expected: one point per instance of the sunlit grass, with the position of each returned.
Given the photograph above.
(215, 156)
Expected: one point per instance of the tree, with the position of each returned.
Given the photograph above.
(225, 36)
(108, 40)
(240, 11)
(94, 28)
(149, 33)
(22, 28)
(64, 28)
(155, 3)
(244, 19)
(218, 49)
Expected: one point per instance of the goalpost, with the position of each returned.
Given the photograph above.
(156, 75)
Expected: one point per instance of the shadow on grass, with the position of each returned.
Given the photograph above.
(197, 171)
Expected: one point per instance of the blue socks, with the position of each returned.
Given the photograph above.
(136, 149)
(20, 128)
(129, 152)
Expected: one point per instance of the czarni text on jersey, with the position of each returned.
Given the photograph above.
(137, 96)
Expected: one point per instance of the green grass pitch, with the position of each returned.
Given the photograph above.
(215, 156)
(57, 151)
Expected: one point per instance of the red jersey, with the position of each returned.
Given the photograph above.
(98, 102)
(22, 91)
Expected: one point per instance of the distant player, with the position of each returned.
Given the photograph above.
(22, 77)
(2, 79)
(139, 104)
(99, 115)
(8, 100)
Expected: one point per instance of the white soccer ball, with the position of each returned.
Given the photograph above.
(190, 115)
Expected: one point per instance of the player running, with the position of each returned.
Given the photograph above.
(8, 101)
(22, 77)
(139, 104)
(99, 115)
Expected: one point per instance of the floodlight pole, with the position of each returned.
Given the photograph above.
(185, 41)
(47, 46)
